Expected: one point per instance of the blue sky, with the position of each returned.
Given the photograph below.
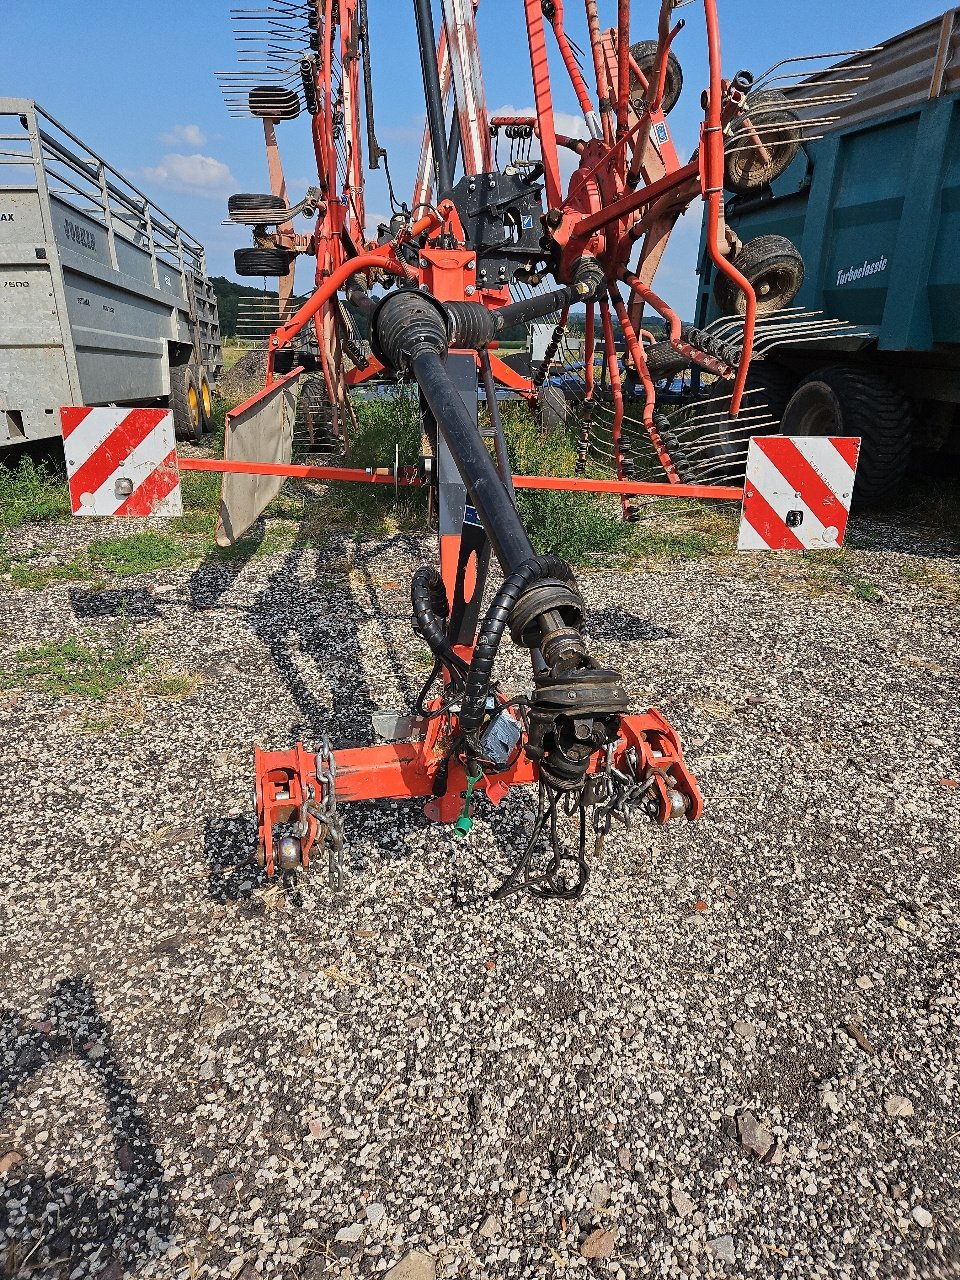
(136, 82)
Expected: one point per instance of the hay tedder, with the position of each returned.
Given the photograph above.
(480, 248)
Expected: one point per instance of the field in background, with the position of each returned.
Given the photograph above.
(586, 529)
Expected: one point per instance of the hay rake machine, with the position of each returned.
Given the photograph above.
(479, 249)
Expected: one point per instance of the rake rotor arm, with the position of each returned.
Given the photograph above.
(433, 91)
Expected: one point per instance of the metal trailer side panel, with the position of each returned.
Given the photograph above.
(874, 206)
(38, 371)
(110, 288)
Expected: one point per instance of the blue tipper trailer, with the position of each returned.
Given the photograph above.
(874, 208)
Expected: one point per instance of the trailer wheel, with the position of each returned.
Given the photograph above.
(843, 401)
(778, 129)
(644, 54)
(270, 102)
(775, 269)
(262, 262)
(248, 203)
(206, 401)
(186, 403)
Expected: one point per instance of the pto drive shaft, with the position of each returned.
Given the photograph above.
(576, 706)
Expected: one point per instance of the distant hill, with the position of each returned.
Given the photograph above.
(229, 293)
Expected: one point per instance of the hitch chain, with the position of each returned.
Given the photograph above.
(323, 811)
(616, 793)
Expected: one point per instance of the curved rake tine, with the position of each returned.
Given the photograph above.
(848, 54)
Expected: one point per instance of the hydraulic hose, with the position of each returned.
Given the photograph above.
(487, 492)
(494, 625)
(430, 611)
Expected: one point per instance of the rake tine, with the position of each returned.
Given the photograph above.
(847, 54)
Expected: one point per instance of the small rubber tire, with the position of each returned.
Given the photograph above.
(206, 401)
(262, 262)
(773, 266)
(780, 131)
(663, 361)
(551, 409)
(270, 102)
(185, 403)
(844, 401)
(644, 54)
(248, 203)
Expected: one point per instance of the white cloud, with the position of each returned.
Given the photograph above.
(184, 135)
(373, 223)
(196, 175)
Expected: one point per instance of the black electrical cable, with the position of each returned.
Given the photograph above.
(550, 882)
(430, 611)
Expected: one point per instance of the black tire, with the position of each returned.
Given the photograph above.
(778, 129)
(775, 269)
(644, 55)
(717, 453)
(843, 401)
(551, 408)
(268, 102)
(206, 401)
(314, 421)
(665, 362)
(262, 262)
(185, 403)
(248, 203)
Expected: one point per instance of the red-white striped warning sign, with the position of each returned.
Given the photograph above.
(797, 492)
(121, 462)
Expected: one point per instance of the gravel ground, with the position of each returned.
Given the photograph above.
(737, 1055)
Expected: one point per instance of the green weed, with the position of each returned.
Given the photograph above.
(30, 493)
(141, 552)
(77, 570)
(72, 669)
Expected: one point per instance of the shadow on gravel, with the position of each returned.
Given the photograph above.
(228, 846)
(103, 1227)
(124, 602)
(221, 567)
(615, 624)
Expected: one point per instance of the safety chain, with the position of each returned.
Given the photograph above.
(615, 793)
(323, 811)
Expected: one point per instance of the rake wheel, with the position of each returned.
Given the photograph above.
(768, 117)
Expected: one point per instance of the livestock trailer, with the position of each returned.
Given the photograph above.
(104, 298)
(874, 208)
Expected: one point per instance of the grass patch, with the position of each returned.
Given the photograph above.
(78, 570)
(72, 669)
(171, 686)
(32, 492)
(383, 425)
(931, 500)
(580, 527)
(935, 576)
(276, 538)
(142, 552)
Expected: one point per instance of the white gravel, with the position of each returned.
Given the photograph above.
(200, 1079)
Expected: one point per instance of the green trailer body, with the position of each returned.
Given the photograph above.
(874, 208)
